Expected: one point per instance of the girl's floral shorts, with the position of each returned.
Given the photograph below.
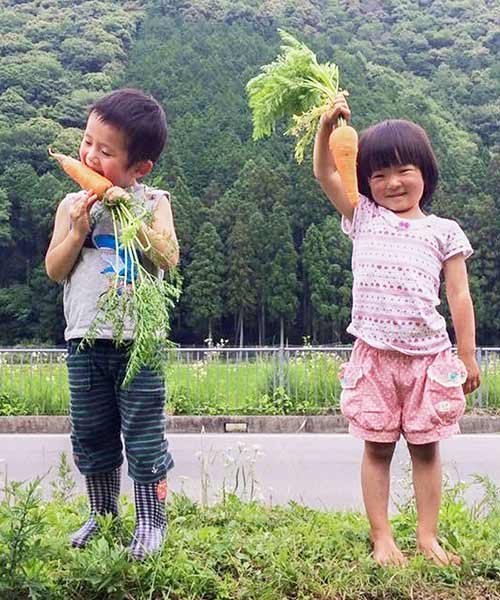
(386, 393)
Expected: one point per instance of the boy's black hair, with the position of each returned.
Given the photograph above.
(396, 142)
(140, 117)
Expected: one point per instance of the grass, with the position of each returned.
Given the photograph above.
(242, 551)
(306, 383)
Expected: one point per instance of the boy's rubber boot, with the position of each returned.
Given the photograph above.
(150, 519)
(103, 491)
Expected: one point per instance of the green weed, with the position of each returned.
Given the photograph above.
(242, 550)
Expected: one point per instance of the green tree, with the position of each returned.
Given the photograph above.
(14, 108)
(240, 287)
(259, 233)
(316, 280)
(283, 283)
(205, 279)
(338, 255)
(5, 227)
(326, 261)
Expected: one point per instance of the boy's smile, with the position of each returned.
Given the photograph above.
(104, 149)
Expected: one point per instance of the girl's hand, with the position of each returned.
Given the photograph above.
(473, 380)
(79, 212)
(114, 193)
(340, 109)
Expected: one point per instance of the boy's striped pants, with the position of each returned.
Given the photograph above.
(102, 413)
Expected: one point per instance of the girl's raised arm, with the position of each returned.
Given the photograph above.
(323, 163)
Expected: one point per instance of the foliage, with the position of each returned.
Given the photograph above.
(245, 549)
(435, 62)
(219, 381)
(205, 277)
(23, 571)
(295, 86)
(135, 295)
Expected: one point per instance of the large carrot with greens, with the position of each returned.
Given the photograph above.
(86, 178)
(297, 87)
(343, 144)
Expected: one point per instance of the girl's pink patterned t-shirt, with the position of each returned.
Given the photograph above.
(396, 265)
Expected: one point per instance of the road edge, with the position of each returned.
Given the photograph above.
(234, 424)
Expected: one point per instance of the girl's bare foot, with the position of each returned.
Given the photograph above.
(387, 554)
(433, 550)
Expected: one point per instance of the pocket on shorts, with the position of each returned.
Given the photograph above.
(79, 366)
(444, 387)
(356, 400)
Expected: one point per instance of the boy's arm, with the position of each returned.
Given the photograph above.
(462, 314)
(67, 241)
(324, 167)
(162, 236)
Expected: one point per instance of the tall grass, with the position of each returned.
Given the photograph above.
(217, 383)
(242, 551)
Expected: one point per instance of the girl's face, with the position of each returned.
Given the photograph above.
(104, 149)
(398, 188)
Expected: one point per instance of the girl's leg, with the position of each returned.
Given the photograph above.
(375, 480)
(427, 476)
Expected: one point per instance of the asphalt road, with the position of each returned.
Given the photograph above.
(318, 470)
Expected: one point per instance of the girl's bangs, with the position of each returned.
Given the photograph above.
(386, 146)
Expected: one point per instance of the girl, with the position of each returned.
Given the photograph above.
(402, 376)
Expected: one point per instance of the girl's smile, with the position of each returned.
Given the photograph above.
(398, 188)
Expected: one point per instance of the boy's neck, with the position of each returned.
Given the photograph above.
(132, 184)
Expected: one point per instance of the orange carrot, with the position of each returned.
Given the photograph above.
(343, 143)
(83, 175)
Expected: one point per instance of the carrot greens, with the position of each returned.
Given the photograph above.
(136, 297)
(293, 86)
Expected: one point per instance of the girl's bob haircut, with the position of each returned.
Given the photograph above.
(396, 142)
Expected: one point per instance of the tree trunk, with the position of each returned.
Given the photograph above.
(308, 327)
(210, 338)
(241, 327)
(281, 370)
(241, 331)
(259, 327)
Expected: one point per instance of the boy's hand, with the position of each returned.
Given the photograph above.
(79, 213)
(340, 109)
(115, 193)
(473, 380)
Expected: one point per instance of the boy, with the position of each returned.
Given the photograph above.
(124, 136)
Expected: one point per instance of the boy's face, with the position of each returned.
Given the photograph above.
(104, 149)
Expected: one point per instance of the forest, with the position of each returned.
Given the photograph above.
(261, 248)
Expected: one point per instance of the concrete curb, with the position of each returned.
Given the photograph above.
(235, 424)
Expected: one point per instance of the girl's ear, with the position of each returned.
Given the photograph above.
(143, 168)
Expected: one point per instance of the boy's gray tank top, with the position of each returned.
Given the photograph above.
(96, 266)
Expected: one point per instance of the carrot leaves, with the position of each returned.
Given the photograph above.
(293, 86)
(136, 297)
